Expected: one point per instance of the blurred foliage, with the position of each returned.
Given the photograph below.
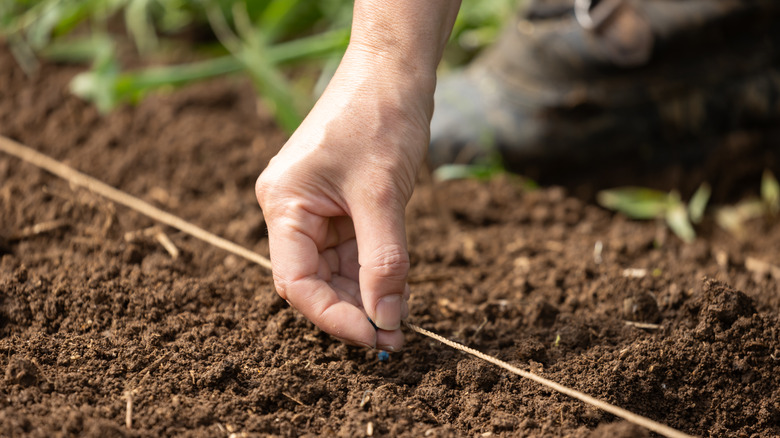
(643, 203)
(478, 25)
(732, 218)
(266, 39)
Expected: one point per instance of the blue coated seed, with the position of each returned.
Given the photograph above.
(383, 356)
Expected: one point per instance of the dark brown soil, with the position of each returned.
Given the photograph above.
(204, 347)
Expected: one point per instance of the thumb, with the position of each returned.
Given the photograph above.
(384, 263)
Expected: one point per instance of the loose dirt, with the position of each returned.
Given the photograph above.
(95, 315)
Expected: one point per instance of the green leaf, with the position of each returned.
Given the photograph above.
(733, 218)
(636, 202)
(76, 13)
(677, 219)
(80, 49)
(39, 32)
(140, 26)
(449, 172)
(132, 86)
(698, 203)
(770, 192)
(275, 17)
(97, 85)
(730, 220)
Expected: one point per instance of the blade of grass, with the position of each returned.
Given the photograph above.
(132, 85)
(139, 25)
(677, 219)
(733, 218)
(324, 44)
(698, 203)
(75, 50)
(97, 85)
(464, 171)
(275, 17)
(38, 33)
(96, 12)
(23, 54)
(275, 91)
(770, 192)
(635, 202)
(249, 48)
(26, 18)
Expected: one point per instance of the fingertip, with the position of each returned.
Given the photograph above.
(352, 327)
(390, 340)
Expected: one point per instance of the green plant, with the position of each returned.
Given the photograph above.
(260, 38)
(490, 165)
(643, 203)
(479, 24)
(733, 218)
(481, 172)
(267, 39)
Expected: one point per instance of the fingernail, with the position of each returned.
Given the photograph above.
(404, 310)
(388, 313)
(389, 348)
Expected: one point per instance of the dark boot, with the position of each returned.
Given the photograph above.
(622, 81)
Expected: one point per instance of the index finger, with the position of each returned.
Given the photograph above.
(295, 263)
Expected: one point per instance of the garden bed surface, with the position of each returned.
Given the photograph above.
(94, 310)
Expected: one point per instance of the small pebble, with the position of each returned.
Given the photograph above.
(383, 356)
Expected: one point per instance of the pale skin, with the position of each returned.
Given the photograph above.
(334, 197)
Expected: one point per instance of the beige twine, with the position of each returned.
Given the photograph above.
(75, 177)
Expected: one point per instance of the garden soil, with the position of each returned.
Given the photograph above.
(103, 333)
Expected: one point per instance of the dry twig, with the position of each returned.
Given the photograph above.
(39, 228)
(643, 325)
(157, 233)
(129, 411)
(166, 243)
(294, 399)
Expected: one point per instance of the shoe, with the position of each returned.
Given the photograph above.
(579, 85)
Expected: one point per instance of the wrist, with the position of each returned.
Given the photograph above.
(390, 67)
(364, 77)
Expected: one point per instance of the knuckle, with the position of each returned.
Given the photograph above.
(282, 285)
(259, 186)
(391, 262)
(275, 200)
(262, 187)
(267, 184)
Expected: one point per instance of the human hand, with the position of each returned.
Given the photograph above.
(334, 200)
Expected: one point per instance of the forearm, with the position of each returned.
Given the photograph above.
(410, 34)
(399, 42)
